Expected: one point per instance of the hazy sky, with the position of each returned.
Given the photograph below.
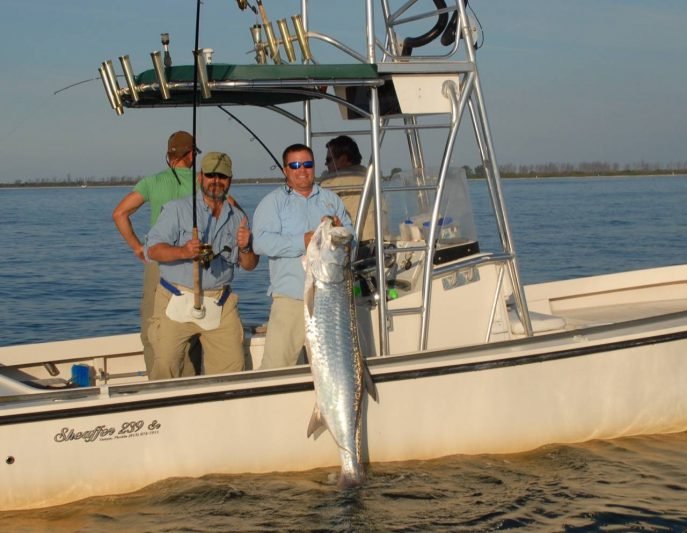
(565, 81)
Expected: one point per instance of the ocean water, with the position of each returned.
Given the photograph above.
(66, 273)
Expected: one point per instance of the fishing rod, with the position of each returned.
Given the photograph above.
(74, 85)
(276, 161)
(198, 310)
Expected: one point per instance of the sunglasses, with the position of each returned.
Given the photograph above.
(217, 176)
(295, 165)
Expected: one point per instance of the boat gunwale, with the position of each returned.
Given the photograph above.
(174, 393)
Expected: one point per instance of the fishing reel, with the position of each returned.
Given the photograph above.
(206, 255)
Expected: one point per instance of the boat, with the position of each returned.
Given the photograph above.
(466, 358)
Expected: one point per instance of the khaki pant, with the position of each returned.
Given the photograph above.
(285, 333)
(151, 281)
(222, 346)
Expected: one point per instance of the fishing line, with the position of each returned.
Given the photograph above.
(254, 136)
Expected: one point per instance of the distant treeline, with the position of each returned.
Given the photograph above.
(594, 168)
(121, 181)
(545, 170)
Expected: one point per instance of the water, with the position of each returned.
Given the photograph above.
(66, 273)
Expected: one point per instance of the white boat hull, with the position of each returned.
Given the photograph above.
(510, 397)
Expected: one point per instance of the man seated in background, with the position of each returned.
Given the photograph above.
(344, 170)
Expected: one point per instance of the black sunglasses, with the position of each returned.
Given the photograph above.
(295, 165)
(217, 176)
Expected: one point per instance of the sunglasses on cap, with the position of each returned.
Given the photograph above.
(217, 176)
(295, 165)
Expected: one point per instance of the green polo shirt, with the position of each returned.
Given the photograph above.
(163, 187)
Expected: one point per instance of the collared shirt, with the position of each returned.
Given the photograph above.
(163, 187)
(353, 170)
(280, 221)
(175, 226)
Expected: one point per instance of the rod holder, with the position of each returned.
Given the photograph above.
(272, 43)
(256, 33)
(207, 53)
(129, 77)
(302, 37)
(112, 79)
(111, 87)
(202, 73)
(106, 86)
(160, 74)
(286, 39)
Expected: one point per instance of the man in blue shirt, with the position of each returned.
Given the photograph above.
(283, 225)
(222, 226)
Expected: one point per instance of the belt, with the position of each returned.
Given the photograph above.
(225, 291)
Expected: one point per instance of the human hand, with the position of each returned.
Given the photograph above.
(243, 234)
(306, 238)
(336, 221)
(191, 249)
(139, 252)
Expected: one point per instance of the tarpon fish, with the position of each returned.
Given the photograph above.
(339, 371)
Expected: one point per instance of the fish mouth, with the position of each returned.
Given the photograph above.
(339, 239)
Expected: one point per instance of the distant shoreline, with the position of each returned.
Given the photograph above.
(130, 182)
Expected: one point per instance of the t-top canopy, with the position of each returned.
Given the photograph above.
(259, 85)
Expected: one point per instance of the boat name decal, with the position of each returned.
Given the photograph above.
(132, 428)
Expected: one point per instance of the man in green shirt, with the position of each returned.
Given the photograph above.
(172, 183)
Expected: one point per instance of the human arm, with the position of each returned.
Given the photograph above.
(341, 216)
(122, 219)
(164, 242)
(166, 253)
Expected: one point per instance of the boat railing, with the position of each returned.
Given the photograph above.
(444, 29)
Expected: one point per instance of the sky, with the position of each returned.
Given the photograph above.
(564, 82)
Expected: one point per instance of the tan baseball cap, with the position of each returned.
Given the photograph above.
(216, 163)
